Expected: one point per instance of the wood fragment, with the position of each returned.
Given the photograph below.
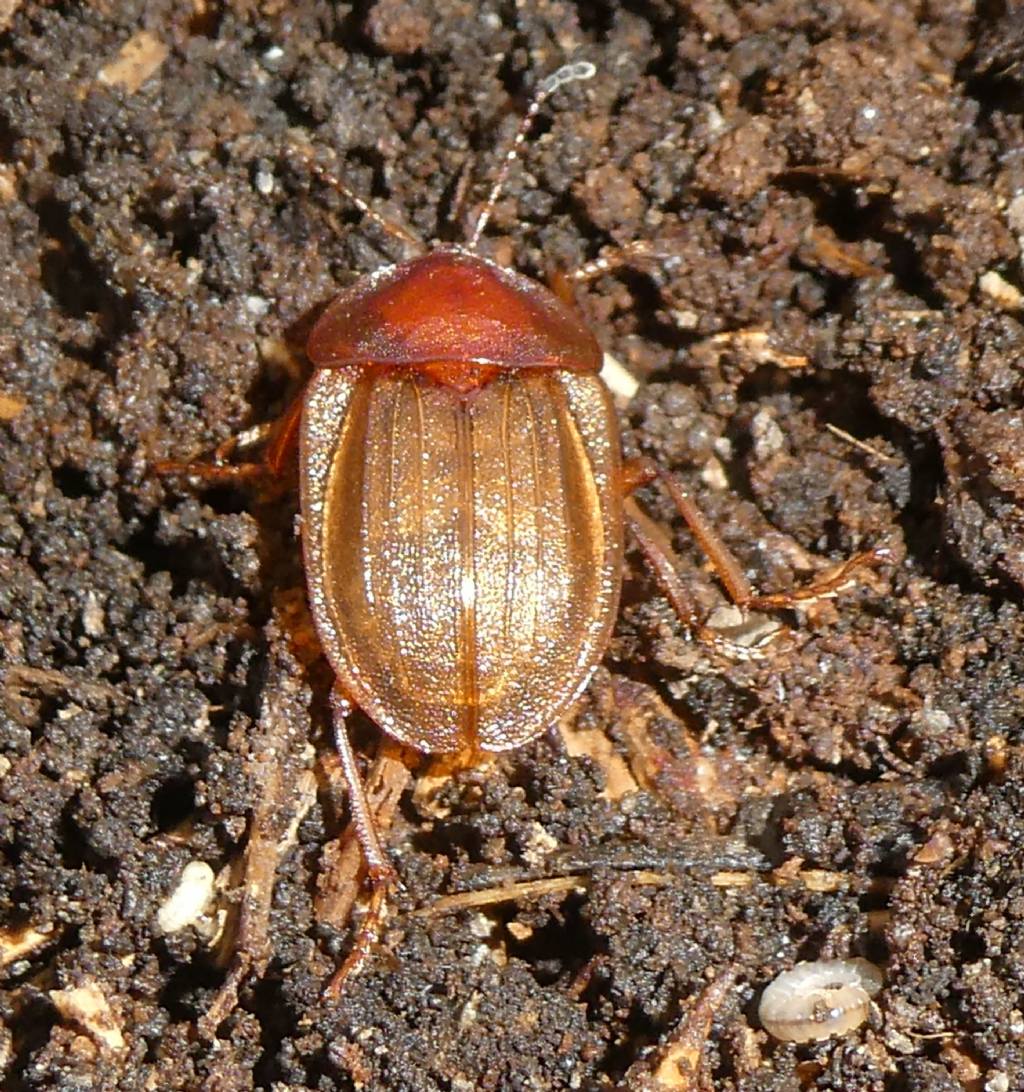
(87, 1006)
(999, 289)
(8, 9)
(438, 773)
(137, 60)
(21, 677)
(679, 1065)
(18, 943)
(619, 380)
(792, 871)
(821, 880)
(823, 249)
(11, 405)
(278, 748)
(733, 879)
(594, 743)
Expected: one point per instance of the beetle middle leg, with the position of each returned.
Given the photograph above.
(658, 552)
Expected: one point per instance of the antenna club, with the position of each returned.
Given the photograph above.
(579, 70)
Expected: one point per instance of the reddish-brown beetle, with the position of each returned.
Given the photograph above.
(464, 504)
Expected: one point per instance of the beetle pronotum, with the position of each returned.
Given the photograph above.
(464, 505)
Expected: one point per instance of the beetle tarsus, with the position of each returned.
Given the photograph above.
(825, 587)
(211, 473)
(368, 937)
(636, 252)
(280, 439)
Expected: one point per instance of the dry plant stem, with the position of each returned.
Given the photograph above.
(528, 889)
(378, 869)
(523, 890)
(280, 734)
(861, 445)
(680, 1064)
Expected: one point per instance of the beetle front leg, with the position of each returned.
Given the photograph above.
(278, 453)
(660, 556)
(563, 282)
(379, 870)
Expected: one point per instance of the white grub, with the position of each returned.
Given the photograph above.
(819, 1000)
(189, 901)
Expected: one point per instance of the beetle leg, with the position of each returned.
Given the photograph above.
(611, 258)
(563, 282)
(660, 556)
(638, 472)
(825, 587)
(277, 453)
(379, 871)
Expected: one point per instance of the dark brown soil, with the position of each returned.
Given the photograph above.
(830, 348)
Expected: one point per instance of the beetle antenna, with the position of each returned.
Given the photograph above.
(580, 70)
(395, 230)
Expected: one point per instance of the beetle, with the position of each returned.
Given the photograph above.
(464, 507)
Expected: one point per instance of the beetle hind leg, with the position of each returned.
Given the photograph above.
(658, 552)
(368, 936)
(379, 871)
